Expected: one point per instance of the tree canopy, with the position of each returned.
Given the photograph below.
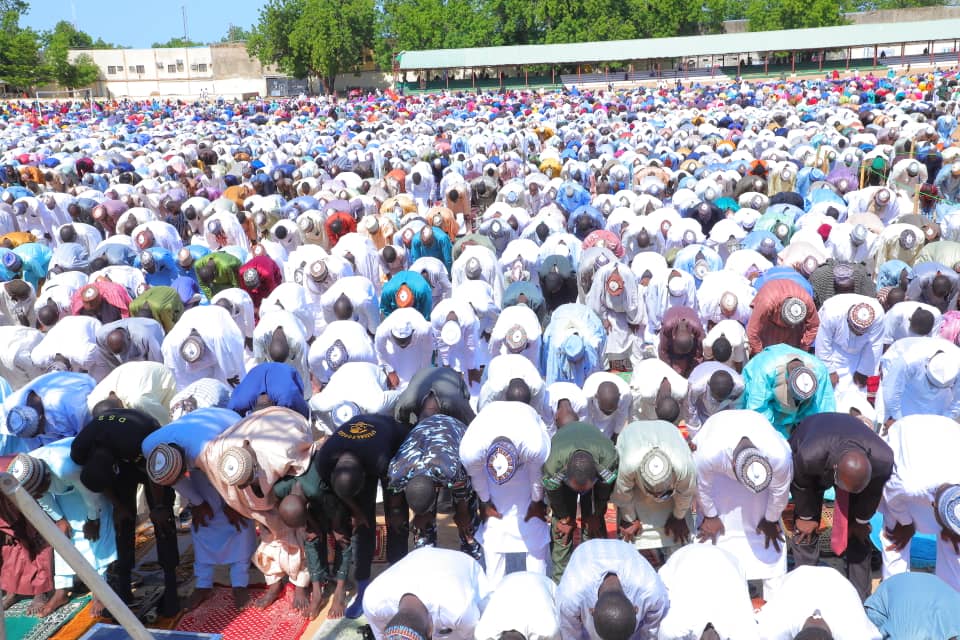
(56, 45)
(319, 37)
(176, 43)
(325, 37)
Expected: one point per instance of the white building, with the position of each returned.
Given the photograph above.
(223, 70)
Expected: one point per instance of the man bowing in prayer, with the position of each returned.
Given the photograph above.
(838, 450)
(744, 468)
(609, 591)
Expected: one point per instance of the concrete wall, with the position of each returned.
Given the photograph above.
(221, 70)
(363, 80)
(885, 16)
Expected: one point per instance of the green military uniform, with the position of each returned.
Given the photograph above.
(576, 436)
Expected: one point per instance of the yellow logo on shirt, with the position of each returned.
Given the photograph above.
(358, 431)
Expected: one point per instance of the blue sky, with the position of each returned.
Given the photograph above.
(140, 23)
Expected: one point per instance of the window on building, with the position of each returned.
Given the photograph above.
(112, 70)
(179, 65)
(202, 67)
(132, 69)
(171, 68)
(140, 69)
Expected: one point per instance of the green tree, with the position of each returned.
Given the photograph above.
(331, 35)
(176, 43)
(236, 34)
(269, 40)
(56, 48)
(668, 18)
(313, 37)
(517, 20)
(769, 15)
(406, 25)
(20, 62)
(586, 21)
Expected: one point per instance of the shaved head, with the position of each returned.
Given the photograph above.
(343, 308)
(518, 391)
(722, 349)
(293, 511)
(421, 493)
(941, 286)
(614, 616)
(720, 385)
(49, 314)
(347, 476)
(279, 347)
(118, 341)
(895, 296)
(683, 343)
(207, 272)
(667, 408)
(581, 471)
(853, 471)
(608, 397)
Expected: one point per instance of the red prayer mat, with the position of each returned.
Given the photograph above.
(279, 621)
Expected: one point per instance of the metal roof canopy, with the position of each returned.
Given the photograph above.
(856, 35)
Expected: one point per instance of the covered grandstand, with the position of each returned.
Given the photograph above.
(689, 57)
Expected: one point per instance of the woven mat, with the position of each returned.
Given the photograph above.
(379, 547)
(279, 621)
(20, 626)
(84, 621)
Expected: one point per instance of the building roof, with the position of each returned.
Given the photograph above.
(856, 35)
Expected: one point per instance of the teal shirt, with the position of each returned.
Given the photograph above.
(760, 379)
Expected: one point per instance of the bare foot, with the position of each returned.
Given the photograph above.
(10, 599)
(301, 601)
(318, 600)
(96, 608)
(39, 601)
(339, 604)
(241, 598)
(58, 600)
(198, 597)
(270, 596)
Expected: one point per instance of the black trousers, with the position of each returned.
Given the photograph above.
(398, 527)
(168, 555)
(856, 560)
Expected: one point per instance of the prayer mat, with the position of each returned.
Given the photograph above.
(379, 547)
(20, 626)
(610, 517)
(116, 632)
(217, 614)
(84, 621)
(380, 543)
